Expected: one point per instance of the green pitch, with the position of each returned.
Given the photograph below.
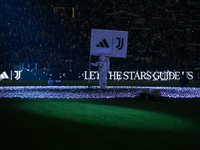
(99, 124)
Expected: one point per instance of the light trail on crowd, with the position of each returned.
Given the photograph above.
(75, 92)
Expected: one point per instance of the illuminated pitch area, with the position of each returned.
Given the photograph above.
(72, 92)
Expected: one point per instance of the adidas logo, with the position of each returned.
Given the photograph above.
(3, 76)
(103, 43)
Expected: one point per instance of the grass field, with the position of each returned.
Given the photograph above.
(29, 124)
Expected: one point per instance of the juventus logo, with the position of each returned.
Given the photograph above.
(18, 74)
(120, 44)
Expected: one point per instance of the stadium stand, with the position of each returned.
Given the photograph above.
(162, 34)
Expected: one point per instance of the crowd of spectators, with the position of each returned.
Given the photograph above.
(161, 34)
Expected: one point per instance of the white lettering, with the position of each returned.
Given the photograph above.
(132, 75)
(86, 78)
(119, 77)
(190, 75)
(125, 74)
(140, 75)
(143, 74)
(154, 76)
(148, 75)
(177, 75)
(92, 75)
(171, 75)
(137, 76)
(110, 75)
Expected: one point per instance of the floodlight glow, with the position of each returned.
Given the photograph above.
(113, 116)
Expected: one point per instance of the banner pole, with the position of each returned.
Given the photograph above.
(89, 71)
(90, 60)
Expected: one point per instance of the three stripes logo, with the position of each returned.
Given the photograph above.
(4, 76)
(103, 43)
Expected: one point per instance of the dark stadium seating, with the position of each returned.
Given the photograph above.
(162, 34)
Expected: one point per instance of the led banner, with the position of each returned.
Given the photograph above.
(84, 75)
(10, 75)
(33, 74)
(142, 75)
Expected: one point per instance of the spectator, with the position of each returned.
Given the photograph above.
(162, 34)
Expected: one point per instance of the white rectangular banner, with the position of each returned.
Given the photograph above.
(111, 43)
